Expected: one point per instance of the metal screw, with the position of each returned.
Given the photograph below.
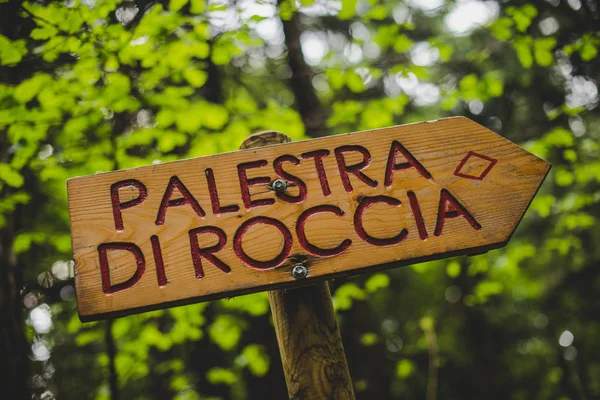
(279, 185)
(299, 271)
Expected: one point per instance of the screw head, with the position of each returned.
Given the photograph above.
(279, 185)
(299, 271)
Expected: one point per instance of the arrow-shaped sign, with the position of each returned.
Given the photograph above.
(235, 223)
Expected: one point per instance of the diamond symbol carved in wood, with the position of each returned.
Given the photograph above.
(475, 166)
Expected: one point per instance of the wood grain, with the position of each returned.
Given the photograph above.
(310, 344)
(455, 152)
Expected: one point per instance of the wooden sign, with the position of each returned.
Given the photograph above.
(235, 223)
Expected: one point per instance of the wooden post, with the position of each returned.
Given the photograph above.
(308, 335)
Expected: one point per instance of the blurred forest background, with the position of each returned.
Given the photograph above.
(99, 85)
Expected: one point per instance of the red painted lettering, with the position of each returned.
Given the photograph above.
(416, 210)
(214, 196)
(311, 248)
(318, 156)
(140, 262)
(355, 169)
(246, 182)
(358, 221)
(175, 183)
(253, 263)
(290, 178)
(450, 208)
(207, 252)
(117, 206)
(158, 260)
(411, 162)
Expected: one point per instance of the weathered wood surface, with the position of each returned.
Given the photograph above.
(310, 344)
(452, 187)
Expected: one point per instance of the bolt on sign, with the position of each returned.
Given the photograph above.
(278, 216)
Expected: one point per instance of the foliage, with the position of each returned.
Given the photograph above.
(95, 85)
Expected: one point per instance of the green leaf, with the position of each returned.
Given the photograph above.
(494, 85)
(468, 82)
(369, 339)
(402, 44)
(22, 243)
(569, 49)
(257, 18)
(220, 55)
(376, 116)
(344, 112)
(543, 204)
(196, 77)
(469, 87)
(74, 325)
(354, 82)
(485, 289)
(61, 242)
(450, 102)
(29, 88)
(426, 323)
(189, 120)
(570, 155)
(543, 51)
(501, 28)
(179, 383)
(563, 177)
(176, 5)
(258, 360)
(419, 71)
(217, 7)
(345, 295)
(377, 282)
(254, 304)
(87, 337)
(445, 51)
(43, 33)
(335, 78)
(165, 118)
(226, 331)
(219, 375)
(169, 140)
(200, 49)
(577, 221)
(286, 9)
(521, 21)
(10, 176)
(215, 116)
(377, 13)
(522, 16)
(151, 336)
(522, 46)
(197, 6)
(588, 51)
(11, 52)
(386, 35)
(453, 269)
(9, 202)
(529, 10)
(572, 110)
(404, 368)
(348, 9)
(559, 137)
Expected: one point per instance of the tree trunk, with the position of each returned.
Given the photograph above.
(14, 368)
(307, 102)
